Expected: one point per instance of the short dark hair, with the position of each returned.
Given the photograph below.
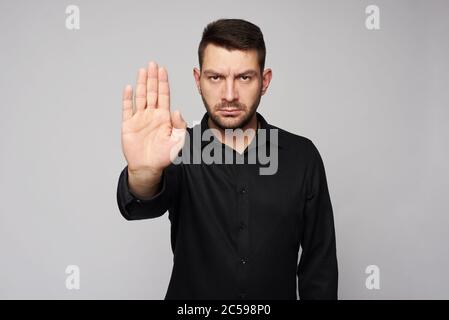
(233, 34)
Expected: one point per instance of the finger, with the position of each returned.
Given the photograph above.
(163, 98)
(152, 85)
(141, 90)
(127, 103)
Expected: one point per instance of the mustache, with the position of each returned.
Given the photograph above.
(229, 105)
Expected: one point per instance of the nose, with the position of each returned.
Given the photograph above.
(231, 92)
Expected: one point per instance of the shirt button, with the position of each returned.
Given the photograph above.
(242, 226)
(242, 295)
(243, 261)
(243, 190)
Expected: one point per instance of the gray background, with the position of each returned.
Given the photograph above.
(374, 102)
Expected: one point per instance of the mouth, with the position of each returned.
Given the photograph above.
(229, 111)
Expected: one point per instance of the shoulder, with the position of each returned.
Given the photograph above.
(294, 142)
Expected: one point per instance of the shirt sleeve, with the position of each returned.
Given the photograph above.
(133, 208)
(317, 269)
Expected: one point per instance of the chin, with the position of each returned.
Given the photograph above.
(229, 122)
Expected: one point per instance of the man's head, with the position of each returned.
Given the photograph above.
(231, 78)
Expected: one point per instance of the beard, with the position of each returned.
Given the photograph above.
(231, 122)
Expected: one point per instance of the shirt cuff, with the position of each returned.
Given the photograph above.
(129, 197)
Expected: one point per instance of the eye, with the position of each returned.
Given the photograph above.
(214, 78)
(245, 78)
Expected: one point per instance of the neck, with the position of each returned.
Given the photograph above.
(236, 141)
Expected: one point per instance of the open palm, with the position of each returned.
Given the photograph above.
(151, 136)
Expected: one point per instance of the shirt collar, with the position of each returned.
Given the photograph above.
(263, 125)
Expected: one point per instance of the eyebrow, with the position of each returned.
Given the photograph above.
(247, 72)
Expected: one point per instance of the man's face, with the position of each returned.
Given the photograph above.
(230, 85)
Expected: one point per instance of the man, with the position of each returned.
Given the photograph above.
(235, 233)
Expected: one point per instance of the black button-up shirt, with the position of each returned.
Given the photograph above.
(236, 234)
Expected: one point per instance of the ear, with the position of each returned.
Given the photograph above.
(197, 77)
(266, 79)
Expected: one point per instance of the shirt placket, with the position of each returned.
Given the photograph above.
(243, 237)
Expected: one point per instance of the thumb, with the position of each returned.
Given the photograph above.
(178, 134)
(177, 120)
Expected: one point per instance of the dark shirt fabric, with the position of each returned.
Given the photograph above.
(236, 234)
